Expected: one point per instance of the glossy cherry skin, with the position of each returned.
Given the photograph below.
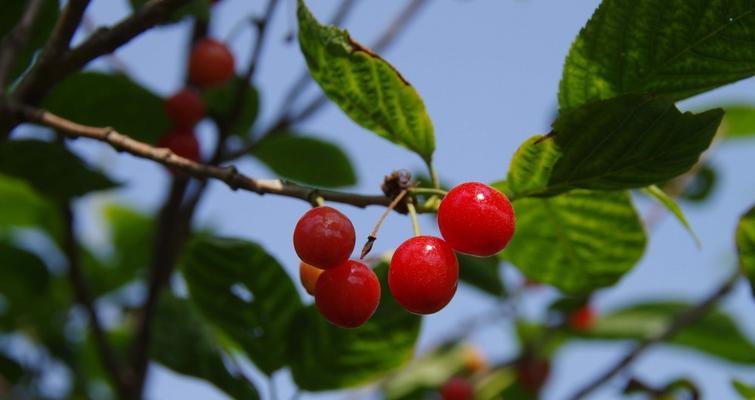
(211, 63)
(324, 237)
(185, 108)
(457, 388)
(348, 295)
(308, 275)
(582, 319)
(476, 219)
(423, 274)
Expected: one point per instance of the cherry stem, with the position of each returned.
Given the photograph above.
(433, 175)
(434, 191)
(373, 235)
(413, 215)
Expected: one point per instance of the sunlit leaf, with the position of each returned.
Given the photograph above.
(745, 238)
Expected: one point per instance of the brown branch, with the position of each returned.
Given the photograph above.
(60, 38)
(15, 40)
(681, 321)
(85, 299)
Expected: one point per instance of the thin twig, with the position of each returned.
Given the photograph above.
(680, 322)
(373, 235)
(15, 40)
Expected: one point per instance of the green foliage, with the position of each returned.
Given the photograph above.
(220, 99)
(366, 87)
(196, 8)
(715, 333)
(324, 357)
(10, 370)
(671, 205)
(482, 273)
(577, 241)
(114, 100)
(40, 30)
(739, 121)
(306, 159)
(245, 293)
(425, 374)
(681, 49)
(22, 206)
(50, 169)
(21, 273)
(622, 143)
(746, 391)
(182, 343)
(745, 238)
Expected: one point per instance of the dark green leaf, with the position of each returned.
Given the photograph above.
(113, 100)
(671, 205)
(680, 49)
(183, 344)
(51, 169)
(746, 391)
(425, 374)
(306, 159)
(739, 121)
(21, 206)
(195, 8)
(482, 273)
(219, 100)
(621, 143)
(325, 357)
(245, 293)
(10, 370)
(40, 30)
(715, 334)
(745, 238)
(366, 87)
(701, 185)
(577, 241)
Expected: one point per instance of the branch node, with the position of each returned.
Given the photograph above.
(232, 175)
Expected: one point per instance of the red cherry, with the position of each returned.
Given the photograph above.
(324, 238)
(533, 372)
(457, 388)
(423, 274)
(348, 295)
(210, 63)
(185, 108)
(181, 141)
(476, 219)
(308, 275)
(582, 319)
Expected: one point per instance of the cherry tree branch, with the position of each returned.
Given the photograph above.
(15, 40)
(680, 322)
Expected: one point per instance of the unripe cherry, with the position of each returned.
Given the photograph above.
(582, 319)
(457, 388)
(348, 294)
(324, 237)
(308, 275)
(185, 108)
(211, 63)
(423, 274)
(476, 219)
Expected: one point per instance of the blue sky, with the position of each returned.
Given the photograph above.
(488, 72)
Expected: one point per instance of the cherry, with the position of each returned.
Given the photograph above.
(308, 275)
(348, 294)
(185, 108)
(181, 141)
(533, 372)
(476, 219)
(457, 388)
(582, 319)
(474, 361)
(210, 63)
(324, 238)
(423, 274)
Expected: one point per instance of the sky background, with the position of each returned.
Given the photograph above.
(488, 72)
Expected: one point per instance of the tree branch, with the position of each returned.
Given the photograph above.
(15, 40)
(680, 322)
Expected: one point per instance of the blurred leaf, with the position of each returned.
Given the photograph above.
(51, 169)
(21, 206)
(195, 8)
(99, 99)
(578, 241)
(670, 204)
(702, 184)
(245, 293)
(482, 273)
(681, 49)
(745, 238)
(739, 121)
(325, 357)
(715, 334)
(498, 384)
(182, 343)
(621, 143)
(366, 87)
(425, 374)
(306, 159)
(219, 100)
(10, 370)
(12, 11)
(746, 391)
(23, 277)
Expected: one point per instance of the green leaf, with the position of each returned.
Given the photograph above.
(195, 8)
(325, 357)
(621, 143)
(671, 205)
(219, 100)
(22, 273)
(10, 370)
(425, 374)
(739, 121)
(577, 241)
(745, 238)
(38, 34)
(50, 169)
(482, 273)
(114, 100)
(746, 391)
(680, 49)
(245, 293)
(715, 334)
(22, 207)
(306, 159)
(366, 87)
(182, 343)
